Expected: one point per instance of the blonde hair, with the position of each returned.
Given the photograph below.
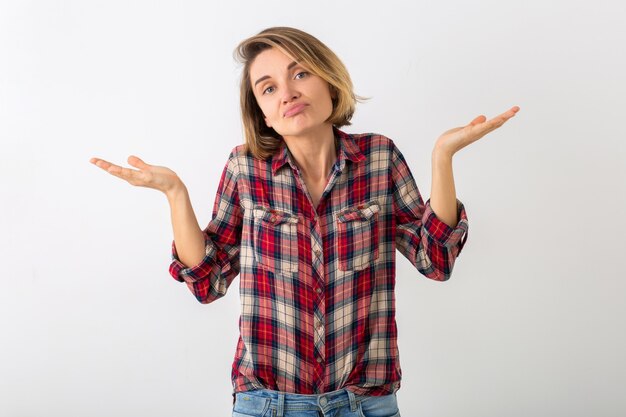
(263, 141)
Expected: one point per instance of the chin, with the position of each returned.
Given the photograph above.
(301, 129)
(295, 131)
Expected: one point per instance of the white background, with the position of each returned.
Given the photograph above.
(532, 321)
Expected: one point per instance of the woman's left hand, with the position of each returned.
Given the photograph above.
(453, 140)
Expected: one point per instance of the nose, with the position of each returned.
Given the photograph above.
(290, 93)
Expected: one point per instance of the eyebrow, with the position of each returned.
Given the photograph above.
(265, 77)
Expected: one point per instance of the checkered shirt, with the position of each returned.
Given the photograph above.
(316, 285)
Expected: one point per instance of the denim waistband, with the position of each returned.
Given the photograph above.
(282, 401)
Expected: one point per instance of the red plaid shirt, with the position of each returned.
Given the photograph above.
(317, 287)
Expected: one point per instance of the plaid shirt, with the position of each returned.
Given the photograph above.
(317, 286)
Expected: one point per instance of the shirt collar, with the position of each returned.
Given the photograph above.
(348, 150)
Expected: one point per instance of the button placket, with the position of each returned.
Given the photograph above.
(319, 332)
(319, 329)
(317, 253)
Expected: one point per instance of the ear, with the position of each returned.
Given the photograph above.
(333, 92)
(267, 122)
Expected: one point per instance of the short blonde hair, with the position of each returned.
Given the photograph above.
(263, 141)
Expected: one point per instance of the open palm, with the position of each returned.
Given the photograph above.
(151, 176)
(456, 139)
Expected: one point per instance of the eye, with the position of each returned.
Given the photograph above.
(301, 75)
(268, 90)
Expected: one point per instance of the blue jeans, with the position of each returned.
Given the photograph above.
(341, 403)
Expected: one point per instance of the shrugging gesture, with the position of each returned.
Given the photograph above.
(187, 233)
(453, 140)
(151, 176)
(443, 193)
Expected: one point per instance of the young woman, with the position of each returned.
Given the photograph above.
(310, 218)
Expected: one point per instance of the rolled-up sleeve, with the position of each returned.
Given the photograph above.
(210, 279)
(430, 244)
(443, 234)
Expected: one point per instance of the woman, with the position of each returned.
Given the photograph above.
(309, 217)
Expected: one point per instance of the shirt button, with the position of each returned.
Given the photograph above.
(319, 360)
(318, 290)
(318, 252)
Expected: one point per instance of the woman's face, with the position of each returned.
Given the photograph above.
(293, 100)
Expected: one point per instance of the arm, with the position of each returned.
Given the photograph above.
(191, 240)
(212, 256)
(422, 237)
(443, 195)
(213, 253)
(186, 229)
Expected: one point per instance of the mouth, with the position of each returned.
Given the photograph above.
(295, 109)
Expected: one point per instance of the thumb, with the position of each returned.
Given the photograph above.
(479, 119)
(137, 162)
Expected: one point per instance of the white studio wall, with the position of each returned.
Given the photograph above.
(91, 322)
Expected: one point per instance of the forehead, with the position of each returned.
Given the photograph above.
(271, 60)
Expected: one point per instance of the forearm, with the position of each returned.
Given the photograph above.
(188, 237)
(443, 193)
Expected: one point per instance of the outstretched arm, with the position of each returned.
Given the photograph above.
(187, 233)
(443, 194)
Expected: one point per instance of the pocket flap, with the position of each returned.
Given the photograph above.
(360, 212)
(274, 216)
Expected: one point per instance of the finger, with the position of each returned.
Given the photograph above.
(101, 163)
(509, 113)
(498, 121)
(131, 175)
(137, 162)
(127, 174)
(478, 120)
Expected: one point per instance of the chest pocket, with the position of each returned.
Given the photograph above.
(357, 237)
(275, 239)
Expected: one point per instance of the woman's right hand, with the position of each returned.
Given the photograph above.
(151, 176)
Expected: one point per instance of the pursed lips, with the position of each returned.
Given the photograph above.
(293, 110)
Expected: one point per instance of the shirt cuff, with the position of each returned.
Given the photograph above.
(443, 234)
(183, 273)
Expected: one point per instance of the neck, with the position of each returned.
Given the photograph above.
(314, 152)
